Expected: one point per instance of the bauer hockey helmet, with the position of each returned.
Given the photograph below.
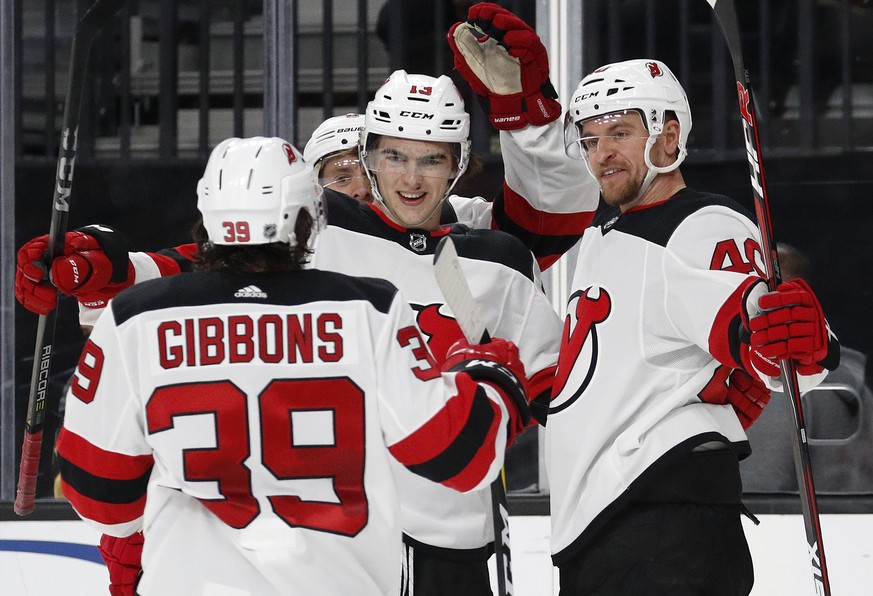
(336, 134)
(252, 190)
(647, 86)
(420, 108)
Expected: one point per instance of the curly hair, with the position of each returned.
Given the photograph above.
(276, 256)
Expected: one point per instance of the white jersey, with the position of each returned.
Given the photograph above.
(244, 422)
(652, 324)
(504, 279)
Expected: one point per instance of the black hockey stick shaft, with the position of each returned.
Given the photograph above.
(450, 277)
(100, 13)
(726, 13)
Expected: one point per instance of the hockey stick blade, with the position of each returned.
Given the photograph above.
(451, 280)
(725, 12)
(100, 13)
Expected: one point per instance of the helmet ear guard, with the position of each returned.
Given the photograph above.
(253, 189)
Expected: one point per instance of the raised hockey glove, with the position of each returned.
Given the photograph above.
(792, 325)
(123, 558)
(504, 61)
(747, 395)
(496, 363)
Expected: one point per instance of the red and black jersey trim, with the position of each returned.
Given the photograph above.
(546, 245)
(657, 222)
(101, 485)
(285, 288)
(456, 447)
(463, 449)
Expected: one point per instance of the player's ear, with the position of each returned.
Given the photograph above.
(671, 136)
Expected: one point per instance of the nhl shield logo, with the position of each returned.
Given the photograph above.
(417, 241)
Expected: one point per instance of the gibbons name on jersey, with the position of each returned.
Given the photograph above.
(268, 338)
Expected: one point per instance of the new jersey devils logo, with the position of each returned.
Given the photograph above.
(578, 357)
(440, 331)
(289, 153)
(654, 69)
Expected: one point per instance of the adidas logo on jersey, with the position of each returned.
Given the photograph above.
(250, 292)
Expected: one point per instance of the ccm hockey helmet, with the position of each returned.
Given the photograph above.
(648, 87)
(420, 108)
(336, 134)
(252, 190)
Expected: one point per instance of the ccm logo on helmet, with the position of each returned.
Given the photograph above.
(585, 96)
(654, 69)
(419, 115)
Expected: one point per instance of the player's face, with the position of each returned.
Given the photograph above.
(343, 173)
(614, 146)
(413, 177)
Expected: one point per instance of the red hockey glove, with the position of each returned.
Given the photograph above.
(123, 559)
(95, 267)
(504, 61)
(747, 395)
(792, 325)
(496, 363)
(32, 290)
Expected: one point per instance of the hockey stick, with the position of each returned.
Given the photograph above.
(450, 277)
(726, 13)
(100, 13)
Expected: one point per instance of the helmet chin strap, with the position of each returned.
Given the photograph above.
(655, 170)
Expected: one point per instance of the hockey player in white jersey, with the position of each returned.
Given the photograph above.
(244, 415)
(412, 165)
(667, 303)
(395, 240)
(332, 149)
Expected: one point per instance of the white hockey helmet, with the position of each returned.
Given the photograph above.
(252, 190)
(647, 86)
(421, 108)
(339, 133)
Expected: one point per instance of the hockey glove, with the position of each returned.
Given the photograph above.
(94, 268)
(504, 61)
(792, 325)
(496, 363)
(123, 558)
(747, 395)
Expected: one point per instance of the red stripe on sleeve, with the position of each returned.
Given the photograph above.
(541, 382)
(435, 435)
(475, 471)
(99, 462)
(555, 224)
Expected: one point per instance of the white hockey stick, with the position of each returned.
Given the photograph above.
(726, 13)
(450, 277)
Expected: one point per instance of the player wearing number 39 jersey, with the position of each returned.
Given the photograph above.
(244, 416)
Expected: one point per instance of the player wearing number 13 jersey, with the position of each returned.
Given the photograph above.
(244, 416)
